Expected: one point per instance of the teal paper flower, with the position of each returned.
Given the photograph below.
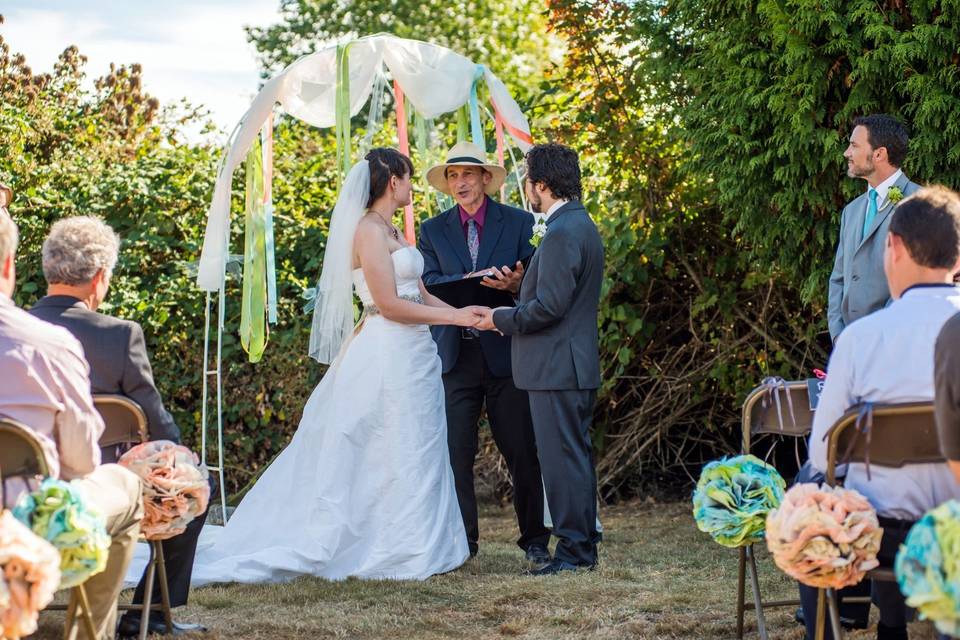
(733, 497)
(928, 567)
(58, 513)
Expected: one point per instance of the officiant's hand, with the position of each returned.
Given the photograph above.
(505, 279)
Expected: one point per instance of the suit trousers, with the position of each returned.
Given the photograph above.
(467, 386)
(561, 422)
(117, 493)
(894, 612)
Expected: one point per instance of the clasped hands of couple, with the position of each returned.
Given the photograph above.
(502, 278)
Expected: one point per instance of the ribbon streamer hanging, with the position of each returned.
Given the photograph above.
(342, 107)
(408, 230)
(498, 129)
(476, 127)
(253, 327)
(266, 138)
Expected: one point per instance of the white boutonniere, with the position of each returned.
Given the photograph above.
(894, 195)
(539, 230)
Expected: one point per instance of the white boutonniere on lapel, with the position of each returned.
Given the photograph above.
(894, 195)
(539, 230)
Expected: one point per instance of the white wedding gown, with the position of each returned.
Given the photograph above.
(365, 487)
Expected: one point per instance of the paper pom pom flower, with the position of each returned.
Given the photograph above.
(175, 487)
(29, 575)
(733, 497)
(824, 537)
(928, 567)
(58, 513)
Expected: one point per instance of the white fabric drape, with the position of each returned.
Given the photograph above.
(436, 79)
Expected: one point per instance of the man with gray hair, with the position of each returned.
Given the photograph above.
(79, 255)
(47, 388)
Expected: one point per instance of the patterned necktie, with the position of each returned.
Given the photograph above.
(473, 241)
(871, 210)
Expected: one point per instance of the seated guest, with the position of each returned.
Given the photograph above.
(78, 260)
(887, 357)
(46, 387)
(946, 355)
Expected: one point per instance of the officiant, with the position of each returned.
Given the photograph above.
(480, 236)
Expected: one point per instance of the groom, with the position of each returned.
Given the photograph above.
(556, 353)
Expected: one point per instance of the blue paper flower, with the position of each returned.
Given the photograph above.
(928, 567)
(58, 513)
(733, 497)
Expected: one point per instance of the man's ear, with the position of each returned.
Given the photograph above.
(880, 154)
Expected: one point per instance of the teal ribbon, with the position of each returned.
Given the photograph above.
(271, 262)
(475, 124)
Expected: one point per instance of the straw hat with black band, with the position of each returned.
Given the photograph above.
(466, 154)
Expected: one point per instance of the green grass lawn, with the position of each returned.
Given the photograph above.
(658, 578)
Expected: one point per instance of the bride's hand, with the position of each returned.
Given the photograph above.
(468, 316)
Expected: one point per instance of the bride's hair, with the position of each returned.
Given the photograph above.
(384, 163)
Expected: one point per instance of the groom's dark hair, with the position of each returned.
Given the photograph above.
(385, 162)
(888, 132)
(557, 167)
(928, 222)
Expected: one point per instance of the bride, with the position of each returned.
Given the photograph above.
(365, 487)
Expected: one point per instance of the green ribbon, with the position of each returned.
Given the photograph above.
(253, 326)
(463, 123)
(476, 126)
(342, 113)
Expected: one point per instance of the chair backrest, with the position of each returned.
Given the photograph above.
(888, 435)
(767, 410)
(23, 462)
(125, 425)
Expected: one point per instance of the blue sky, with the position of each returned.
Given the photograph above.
(196, 50)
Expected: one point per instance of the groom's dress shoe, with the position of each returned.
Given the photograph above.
(556, 566)
(130, 627)
(538, 554)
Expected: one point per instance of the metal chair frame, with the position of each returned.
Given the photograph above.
(755, 424)
(843, 436)
(35, 463)
(136, 433)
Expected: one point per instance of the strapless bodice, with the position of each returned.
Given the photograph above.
(407, 269)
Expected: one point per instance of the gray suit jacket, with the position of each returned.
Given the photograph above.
(554, 325)
(117, 354)
(858, 285)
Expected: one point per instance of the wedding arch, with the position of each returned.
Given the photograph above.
(327, 89)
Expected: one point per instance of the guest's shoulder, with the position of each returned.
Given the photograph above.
(42, 335)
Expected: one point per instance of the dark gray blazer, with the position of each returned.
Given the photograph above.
(858, 285)
(554, 325)
(117, 354)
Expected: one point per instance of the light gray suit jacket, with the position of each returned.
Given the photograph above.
(858, 285)
(554, 325)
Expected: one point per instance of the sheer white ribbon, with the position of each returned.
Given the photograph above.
(333, 313)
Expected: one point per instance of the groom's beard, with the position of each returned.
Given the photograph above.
(536, 203)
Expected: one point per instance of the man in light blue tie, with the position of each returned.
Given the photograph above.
(877, 149)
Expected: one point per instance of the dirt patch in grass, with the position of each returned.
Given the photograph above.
(659, 578)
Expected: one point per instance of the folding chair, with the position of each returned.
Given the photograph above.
(782, 408)
(126, 426)
(891, 435)
(22, 456)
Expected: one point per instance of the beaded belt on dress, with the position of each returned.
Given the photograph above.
(372, 310)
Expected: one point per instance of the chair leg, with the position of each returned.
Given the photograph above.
(70, 622)
(834, 610)
(741, 588)
(757, 600)
(86, 615)
(148, 594)
(164, 587)
(821, 614)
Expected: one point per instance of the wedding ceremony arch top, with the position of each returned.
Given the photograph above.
(328, 87)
